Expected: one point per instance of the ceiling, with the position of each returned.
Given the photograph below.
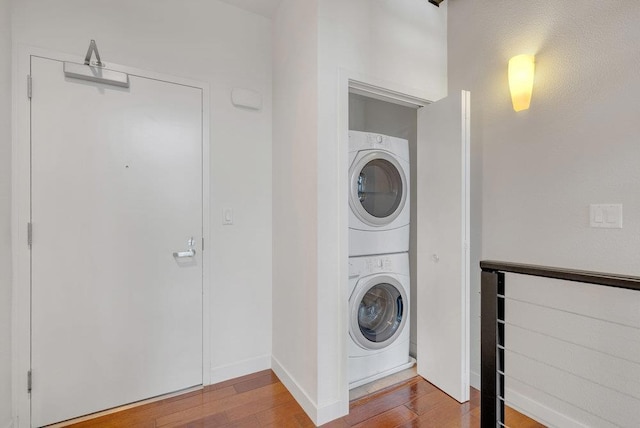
(265, 8)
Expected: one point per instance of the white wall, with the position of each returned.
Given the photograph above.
(295, 345)
(5, 212)
(538, 170)
(573, 352)
(226, 47)
(400, 45)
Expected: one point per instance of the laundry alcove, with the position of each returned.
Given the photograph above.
(438, 136)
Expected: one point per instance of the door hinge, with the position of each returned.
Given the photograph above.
(203, 243)
(29, 234)
(29, 86)
(29, 380)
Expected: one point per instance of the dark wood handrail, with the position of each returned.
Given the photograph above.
(600, 278)
(492, 321)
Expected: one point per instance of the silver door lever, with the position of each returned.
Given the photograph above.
(191, 252)
(188, 253)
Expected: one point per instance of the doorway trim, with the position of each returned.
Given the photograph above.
(361, 84)
(21, 214)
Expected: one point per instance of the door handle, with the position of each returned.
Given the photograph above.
(191, 252)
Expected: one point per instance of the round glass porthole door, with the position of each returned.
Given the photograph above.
(378, 188)
(378, 312)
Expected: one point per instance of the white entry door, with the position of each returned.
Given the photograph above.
(443, 244)
(116, 189)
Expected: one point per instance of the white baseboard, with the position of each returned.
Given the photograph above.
(319, 414)
(474, 380)
(240, 368)
(532, 408)
(539, 412)
(298, 393)
(331, 411)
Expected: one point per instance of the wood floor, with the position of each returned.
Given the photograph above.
(260, 400)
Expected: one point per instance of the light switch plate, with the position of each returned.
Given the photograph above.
(605, 216)
(227, 216)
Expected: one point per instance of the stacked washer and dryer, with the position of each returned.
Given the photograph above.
(379, 287)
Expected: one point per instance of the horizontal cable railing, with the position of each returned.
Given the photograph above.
(494, 324)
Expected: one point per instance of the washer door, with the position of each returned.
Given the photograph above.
(378, 188)
(379, 310)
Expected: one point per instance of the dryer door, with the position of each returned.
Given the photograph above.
(378, 190)
(379, 310)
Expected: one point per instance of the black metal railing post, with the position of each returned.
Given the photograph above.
(491, 379)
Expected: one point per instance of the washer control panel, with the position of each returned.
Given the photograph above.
(379, 264)
(395, 263)
(378, 140)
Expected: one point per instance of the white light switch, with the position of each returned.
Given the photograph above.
(607, 216)
(227, 216)
(598, 215)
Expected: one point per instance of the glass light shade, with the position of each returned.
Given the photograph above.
(521, 70)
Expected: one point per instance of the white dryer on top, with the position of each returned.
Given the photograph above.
(378, 194)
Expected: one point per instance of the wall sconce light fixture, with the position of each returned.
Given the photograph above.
(521, 70)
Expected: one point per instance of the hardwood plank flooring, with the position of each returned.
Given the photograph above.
(260, 400)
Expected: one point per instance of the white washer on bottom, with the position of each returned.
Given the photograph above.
(378, 317)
